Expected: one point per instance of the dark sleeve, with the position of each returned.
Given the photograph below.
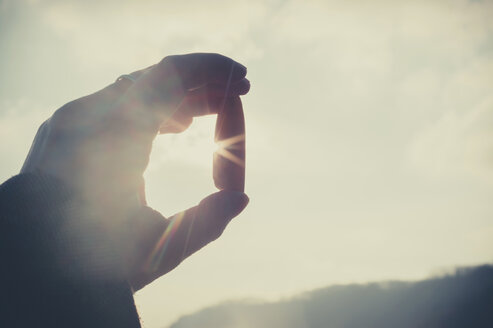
(58, 266)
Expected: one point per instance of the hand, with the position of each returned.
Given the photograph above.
(100, 145)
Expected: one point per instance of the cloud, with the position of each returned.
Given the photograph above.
(144, 32)
(457, 144)
(463, 299)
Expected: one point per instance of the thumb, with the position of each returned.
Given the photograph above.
(206, 222)
(220, 207)
(199, 225)
(165, 243)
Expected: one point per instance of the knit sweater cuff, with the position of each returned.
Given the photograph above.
(48, 227)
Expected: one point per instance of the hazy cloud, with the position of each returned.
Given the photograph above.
(458, 144)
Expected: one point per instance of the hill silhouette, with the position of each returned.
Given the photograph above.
(462, 299)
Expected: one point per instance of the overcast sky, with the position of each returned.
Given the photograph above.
(369, 132)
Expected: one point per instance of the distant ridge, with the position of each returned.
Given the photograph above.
(462, 299)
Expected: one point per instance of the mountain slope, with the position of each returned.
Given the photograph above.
(464, 299)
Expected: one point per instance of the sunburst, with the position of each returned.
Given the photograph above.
(232, 143)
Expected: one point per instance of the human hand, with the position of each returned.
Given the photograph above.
(100, 145)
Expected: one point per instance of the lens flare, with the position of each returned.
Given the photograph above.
(157, 254)
(224, 147)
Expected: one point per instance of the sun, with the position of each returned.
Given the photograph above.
(225, 148)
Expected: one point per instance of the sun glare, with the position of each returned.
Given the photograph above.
(224, 148)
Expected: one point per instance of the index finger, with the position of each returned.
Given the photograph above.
(160, 90)
(199, 69)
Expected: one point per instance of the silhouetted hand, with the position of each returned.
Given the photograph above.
(100, 144)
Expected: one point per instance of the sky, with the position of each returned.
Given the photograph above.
(369, 132)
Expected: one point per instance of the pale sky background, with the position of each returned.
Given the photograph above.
(369, 132)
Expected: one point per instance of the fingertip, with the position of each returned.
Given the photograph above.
(236, 199)
(240, 88)
(239, 71)
(226, 203)
(234, 202)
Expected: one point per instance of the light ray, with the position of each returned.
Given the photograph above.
(225, 143)
(159, 250)
(230, 144)
(232, 157)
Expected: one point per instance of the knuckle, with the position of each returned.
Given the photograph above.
(171, 59)
(43, 127)
(64, 117)
(57, 119)
(216, 231)
(43, 130)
